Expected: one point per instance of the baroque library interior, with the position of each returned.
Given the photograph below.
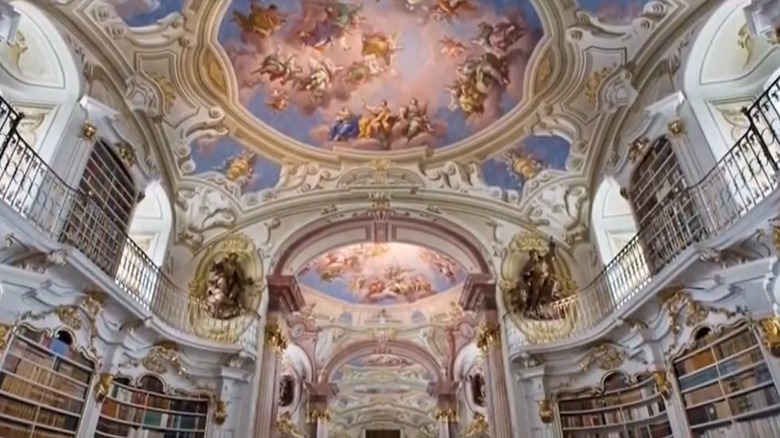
(390, 219)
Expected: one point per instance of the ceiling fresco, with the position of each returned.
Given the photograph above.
(226, 162)
(381, 274)
(380, 75)
(139, 13)
(512, 168)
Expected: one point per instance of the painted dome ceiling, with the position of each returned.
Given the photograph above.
(252, 88)
(380, 75)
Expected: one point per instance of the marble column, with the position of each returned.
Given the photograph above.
(284, 298)
(479, 295)
(489, 342)
(274, 346)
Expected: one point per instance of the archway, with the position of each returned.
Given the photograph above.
(152, 222)
(40, 77)
(612, 220)
(716, 91)
(380, 291)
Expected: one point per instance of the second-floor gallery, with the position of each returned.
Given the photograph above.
(389, 219)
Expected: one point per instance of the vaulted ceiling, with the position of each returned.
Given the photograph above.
(257, 97)
(237, 104)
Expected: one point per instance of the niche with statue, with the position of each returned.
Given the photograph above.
(227, 288)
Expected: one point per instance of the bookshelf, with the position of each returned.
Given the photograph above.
(145, 410)
(726, 386)
(44, 385)
(658, 193)
(626, 408)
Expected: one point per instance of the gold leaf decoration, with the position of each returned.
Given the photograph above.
(746, 43)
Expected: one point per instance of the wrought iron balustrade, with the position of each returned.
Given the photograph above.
(31, 188)
(740, 180)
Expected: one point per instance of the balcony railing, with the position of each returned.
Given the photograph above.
(30, 187)
(743, 178)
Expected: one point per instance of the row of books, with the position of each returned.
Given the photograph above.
(629, 414)
(162, 402)
(663, 430)
(743, 361)
(113, 410)
(715, 353)
(611, 400)
(718, 389)
(766, 427)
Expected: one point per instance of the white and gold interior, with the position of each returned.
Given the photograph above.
(381, 254)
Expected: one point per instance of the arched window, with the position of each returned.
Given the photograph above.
(614, 227)
(152, 221)
(613, 221)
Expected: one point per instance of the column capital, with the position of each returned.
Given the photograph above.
(478, 292)
(443, 390)
(320, 392)
(284, 294)
(276, 339)
(489, 335)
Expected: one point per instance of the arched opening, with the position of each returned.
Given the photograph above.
(40, 77)
(152, 222)
(612, 220)
(365, 280)
(716, 90)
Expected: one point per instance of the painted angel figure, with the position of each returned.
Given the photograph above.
(319, 78)
(416, 118)
(340, 20)
(279, 67)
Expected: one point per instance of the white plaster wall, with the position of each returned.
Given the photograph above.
(40, 77)
(716, 89)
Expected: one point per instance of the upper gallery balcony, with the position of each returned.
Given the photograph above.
(84, 219)
(675, 224)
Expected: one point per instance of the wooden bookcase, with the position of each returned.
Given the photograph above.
(658, 191)
(625, 408)
(726, 386)
(145, 410)
(44, 385)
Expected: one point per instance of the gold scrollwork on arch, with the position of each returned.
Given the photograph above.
(80, 315)
(533, 275)
(228, 287)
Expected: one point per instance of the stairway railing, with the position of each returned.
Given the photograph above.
(740, 180)
(31, 188)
